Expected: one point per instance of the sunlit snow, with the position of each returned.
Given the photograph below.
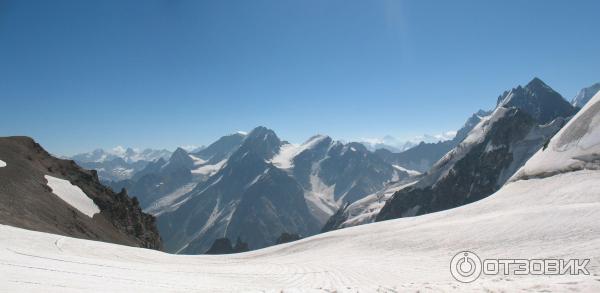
(519, 221)
(550, 211)
(576, 146)
(197, 161)
(410, 172)
(287, 152)
(73, 195)
(365, 210)
(209, 170)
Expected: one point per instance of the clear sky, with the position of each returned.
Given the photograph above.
(77, 75)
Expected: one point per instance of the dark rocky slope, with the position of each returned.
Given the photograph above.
(27, 202)
(524, 120)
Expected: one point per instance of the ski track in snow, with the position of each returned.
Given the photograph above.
(410, 254)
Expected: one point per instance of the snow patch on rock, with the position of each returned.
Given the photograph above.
(475, 136)
(365, 210)
(210, 170)
(410, 172)
(197, 161)
(73, 195)
(284, 159)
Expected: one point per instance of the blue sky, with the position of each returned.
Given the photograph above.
(77, 75)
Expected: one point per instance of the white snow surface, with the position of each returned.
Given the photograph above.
(553, 217)
(410, 172)
(2, 164)
(284, 159)
(169, 201)
(209, 170)
(320, 198)
(73, 195)
(575, 147)
(197, 161)
(365, 210)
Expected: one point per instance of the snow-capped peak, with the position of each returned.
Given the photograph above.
(287, 152)
(585, 94)
(129, 155)
(575, 147)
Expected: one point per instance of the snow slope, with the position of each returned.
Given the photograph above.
(209, 170)
(575, 147)
(73, 195)
(519, 221)
(365, 210)
(474, 137)
(554, 216)
(284, 159)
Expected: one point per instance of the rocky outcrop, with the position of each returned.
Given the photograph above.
(287, 237)
(523, 122)
(224, 246)
(26, 201)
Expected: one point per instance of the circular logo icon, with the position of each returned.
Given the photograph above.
(465, 267)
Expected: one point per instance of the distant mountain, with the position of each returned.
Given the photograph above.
(118, 163)
(163, 182)
(332, 173)
(365, 210)
(585, 94)
(395, 145)
(221, 149)
(265, 187)
(43, 193)
(422, 156)
(159, 178)
(524, 120)
(538, 100)
(129, 155)
(575, 147)
(248, 198)
(114, 169)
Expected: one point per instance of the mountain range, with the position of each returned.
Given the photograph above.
(523, 121)
(255, 188)
(119, 163)
(267, 187)
(547, 210)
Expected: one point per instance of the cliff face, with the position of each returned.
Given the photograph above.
(27, 200)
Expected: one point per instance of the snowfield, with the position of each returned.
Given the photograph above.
(284, 159)
(210, 170)
(549, 210)
(576, 146)
(73, 195)
(553, 217)
(365, 210)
